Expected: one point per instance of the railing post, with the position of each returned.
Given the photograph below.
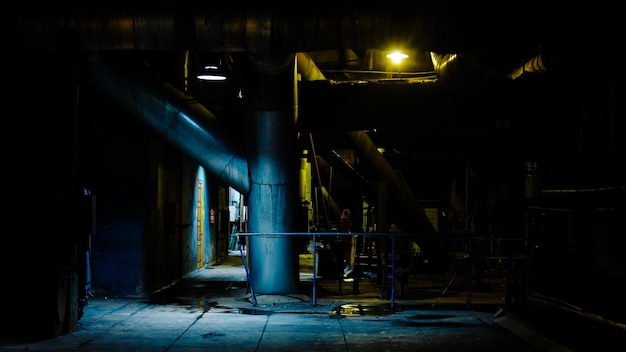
(313, 294)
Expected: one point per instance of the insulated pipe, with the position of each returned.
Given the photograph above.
(176, 117)
(274, 171)
(466, 73)
(308, 69)
(408, 212)
(400, 194)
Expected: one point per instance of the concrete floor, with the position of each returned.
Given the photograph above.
(212, 309)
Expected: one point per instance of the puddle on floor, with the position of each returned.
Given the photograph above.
(362, 310)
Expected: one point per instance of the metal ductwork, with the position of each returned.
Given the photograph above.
(308, 69)
(465, 73)
(176, 117)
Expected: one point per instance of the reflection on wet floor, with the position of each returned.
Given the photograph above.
(210, 286)
(362, 310)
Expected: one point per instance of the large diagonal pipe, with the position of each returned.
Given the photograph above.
(176, 117)
(399, 191)
(409, 212)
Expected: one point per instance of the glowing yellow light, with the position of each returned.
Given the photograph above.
(397, 56)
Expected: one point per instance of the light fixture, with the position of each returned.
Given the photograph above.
(397, 56)
(211, 73)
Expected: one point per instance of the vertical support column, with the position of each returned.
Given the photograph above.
(273, 158)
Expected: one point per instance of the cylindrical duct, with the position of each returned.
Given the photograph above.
(178, 118)
(274, 164)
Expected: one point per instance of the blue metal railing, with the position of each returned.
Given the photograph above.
(314, 235)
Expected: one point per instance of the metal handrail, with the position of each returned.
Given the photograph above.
(331, 233)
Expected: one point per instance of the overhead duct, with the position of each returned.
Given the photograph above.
(455, 29)
(176, 117)
(308, 69)
(465, 73)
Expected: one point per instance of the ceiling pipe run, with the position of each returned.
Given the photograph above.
(501, 36)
